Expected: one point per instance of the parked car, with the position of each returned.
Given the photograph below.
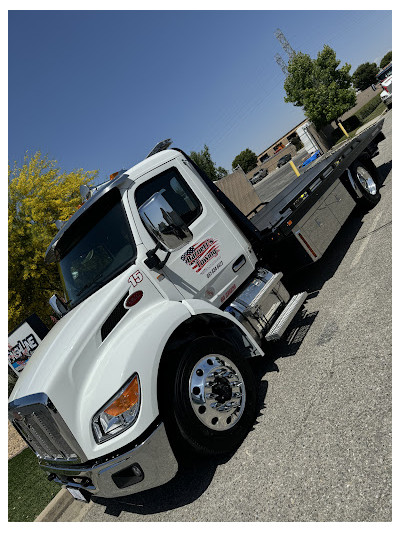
(258, 176)
(312, 158)
(386, 94)
(283, 160)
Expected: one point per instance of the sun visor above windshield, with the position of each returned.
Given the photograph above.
(51, 255)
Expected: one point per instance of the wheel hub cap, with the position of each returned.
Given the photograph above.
(217, 392)
(366, 181)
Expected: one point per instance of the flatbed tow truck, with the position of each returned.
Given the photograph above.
(168, 290)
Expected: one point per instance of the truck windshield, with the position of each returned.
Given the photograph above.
(97, 248)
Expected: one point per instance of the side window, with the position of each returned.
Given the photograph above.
(175, 190)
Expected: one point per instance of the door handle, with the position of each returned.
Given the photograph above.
(239, 263)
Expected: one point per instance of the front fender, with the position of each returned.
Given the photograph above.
(201, 307)
(136, 346)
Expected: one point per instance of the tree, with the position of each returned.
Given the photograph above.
(319, 86)
(386, 59)
(365, 75)
(247, 159)
(204, 161)
(38, 195)
(221, 172)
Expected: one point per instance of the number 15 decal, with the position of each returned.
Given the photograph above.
(136, 278)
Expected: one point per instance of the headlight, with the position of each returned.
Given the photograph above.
(119, 413)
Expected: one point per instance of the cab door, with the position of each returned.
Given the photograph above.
(218, 258)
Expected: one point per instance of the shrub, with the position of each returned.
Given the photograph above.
(352, 123)
(368, 108)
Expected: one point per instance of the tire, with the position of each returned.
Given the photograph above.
(213, 397)
(365, 179)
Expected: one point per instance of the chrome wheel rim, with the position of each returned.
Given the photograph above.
(366, 181)
(217, 393)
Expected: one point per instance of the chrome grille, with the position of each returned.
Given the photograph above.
(42, 427)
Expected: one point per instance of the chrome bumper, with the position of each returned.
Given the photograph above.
(147, 465)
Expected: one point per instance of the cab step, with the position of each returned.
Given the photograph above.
(287, 315)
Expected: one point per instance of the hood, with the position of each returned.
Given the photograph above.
(61, 364)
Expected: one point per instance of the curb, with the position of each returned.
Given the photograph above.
(56, 507)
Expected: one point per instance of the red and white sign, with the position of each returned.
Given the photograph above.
(201, 255)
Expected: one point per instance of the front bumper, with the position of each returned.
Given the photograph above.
(145, 465)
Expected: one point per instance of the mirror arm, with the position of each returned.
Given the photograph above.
(153, 261)
(164, 261)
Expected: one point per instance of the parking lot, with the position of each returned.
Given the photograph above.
(321, 447)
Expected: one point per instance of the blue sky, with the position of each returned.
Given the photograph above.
(98, 89)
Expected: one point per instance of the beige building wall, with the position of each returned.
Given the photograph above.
(271, 151)
(271, 163)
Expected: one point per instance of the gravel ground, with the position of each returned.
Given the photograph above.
(15, 443)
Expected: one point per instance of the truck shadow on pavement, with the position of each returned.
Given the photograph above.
(384, 171)
(193, 478)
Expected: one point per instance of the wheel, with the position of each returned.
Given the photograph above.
(213, 397)
(365, 179)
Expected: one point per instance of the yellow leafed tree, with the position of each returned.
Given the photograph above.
(39, 193)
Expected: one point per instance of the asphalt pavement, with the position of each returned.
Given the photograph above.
(321, 447)
(279, 178)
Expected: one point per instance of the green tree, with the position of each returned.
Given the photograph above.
(318, 86)
(365, 75)
(386, 59)
(247, 159)
(221, 172)
(204, 161)
(39, 193)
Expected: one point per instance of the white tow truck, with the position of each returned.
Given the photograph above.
(168, 290)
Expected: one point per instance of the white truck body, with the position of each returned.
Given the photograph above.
(155, 344)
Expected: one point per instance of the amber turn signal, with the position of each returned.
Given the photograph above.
(126, 400)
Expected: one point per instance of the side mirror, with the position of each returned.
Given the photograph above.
(164, 223)
(58, 306)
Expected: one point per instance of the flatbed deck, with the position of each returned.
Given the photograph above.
(300, 195)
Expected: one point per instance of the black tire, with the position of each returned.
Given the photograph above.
(209, 426)
(365, 177)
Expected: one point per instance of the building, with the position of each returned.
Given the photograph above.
(279, 145)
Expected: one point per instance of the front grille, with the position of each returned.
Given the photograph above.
(42, 427)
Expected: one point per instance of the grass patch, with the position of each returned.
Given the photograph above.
(29, 491)
(381, 107)
(375, 113)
